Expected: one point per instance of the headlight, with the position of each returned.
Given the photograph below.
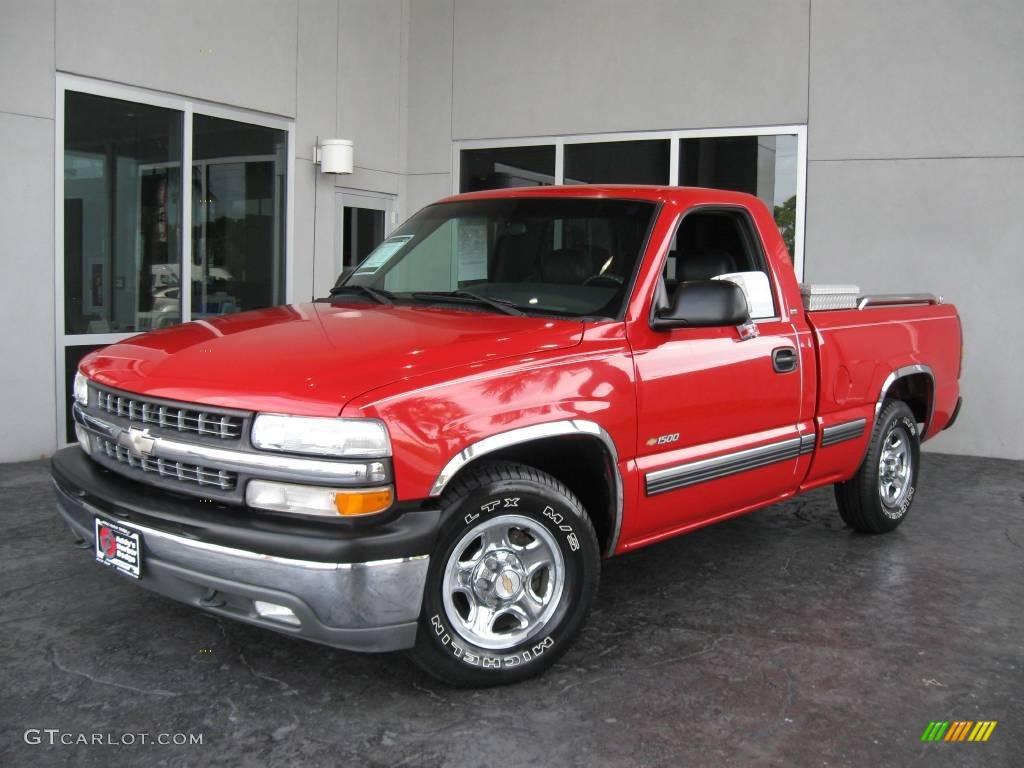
(364, 438)
(81, 389)
(313, 500)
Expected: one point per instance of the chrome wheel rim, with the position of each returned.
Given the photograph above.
(503, 582)
(894, 468)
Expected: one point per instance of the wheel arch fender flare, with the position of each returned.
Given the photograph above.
(904, 372)
(543, 431)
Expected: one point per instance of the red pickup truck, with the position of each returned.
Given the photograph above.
(514, 385)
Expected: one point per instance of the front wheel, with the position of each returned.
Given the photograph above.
(878, 497)
(511, 579)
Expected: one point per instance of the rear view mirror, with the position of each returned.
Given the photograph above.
(703, 304)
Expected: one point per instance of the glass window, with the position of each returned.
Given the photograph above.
(618, 162)
(765, 166)
(238, 199)
(558, 256)
(712, 243)
(122, 214)
(506, 167)
(363, 230)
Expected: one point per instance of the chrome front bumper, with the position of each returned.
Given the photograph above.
(366, 606)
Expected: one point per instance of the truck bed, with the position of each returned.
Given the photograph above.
(858, 349)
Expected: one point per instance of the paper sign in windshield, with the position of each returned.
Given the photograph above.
(380, 255)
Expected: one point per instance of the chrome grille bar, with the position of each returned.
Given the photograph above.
(191, 473)
(143, 411)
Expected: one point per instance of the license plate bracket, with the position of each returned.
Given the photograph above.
(118, 547)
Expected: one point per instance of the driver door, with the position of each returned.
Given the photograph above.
(716, 415)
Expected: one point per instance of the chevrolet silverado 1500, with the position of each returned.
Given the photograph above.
(514, 385)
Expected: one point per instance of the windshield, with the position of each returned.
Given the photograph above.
(559, 256)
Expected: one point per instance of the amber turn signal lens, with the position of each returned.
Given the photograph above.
(350, 503)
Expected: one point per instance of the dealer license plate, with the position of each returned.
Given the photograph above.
(118, 547)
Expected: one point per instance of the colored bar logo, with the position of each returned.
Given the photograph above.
(959, 730)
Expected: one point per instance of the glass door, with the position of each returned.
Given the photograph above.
(238, 199)
(364, 220)
(167, 210)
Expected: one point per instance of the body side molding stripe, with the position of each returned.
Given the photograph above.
(838, 433)
(704, 470)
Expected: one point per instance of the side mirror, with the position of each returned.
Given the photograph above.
(703, 304)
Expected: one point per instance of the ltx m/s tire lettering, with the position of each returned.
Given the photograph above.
(512, 577)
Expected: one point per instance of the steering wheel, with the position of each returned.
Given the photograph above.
(612, 280)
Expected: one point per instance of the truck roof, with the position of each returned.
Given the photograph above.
(654, 193)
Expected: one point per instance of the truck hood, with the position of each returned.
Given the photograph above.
(312, 359)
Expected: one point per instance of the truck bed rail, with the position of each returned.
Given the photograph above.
(896, 299)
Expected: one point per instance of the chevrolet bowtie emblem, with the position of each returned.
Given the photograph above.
(136, 441)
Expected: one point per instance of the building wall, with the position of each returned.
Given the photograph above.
(337, 67)
(915, 132)
(916, 154)
(27, 408)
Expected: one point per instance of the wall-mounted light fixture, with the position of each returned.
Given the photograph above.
(335, 156)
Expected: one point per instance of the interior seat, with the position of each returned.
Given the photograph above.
(704, 265)
(570, 266)
(507, 265)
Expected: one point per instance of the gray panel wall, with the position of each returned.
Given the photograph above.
(27, 379)
(26, 58)
(538, 67)
(370, 98)
(229, 51)
(351, 84)
(317, 82)
(932, 93)
(431, 27)
(916, 78)
(945, 226)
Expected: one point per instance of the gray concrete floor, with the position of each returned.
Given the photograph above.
(776, 639)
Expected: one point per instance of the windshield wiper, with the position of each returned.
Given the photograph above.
(502, 305)
(380, 296)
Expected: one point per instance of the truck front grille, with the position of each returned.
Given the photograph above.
(176, 470)
(143, 411)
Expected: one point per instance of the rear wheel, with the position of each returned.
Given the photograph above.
(878, 497)
(511, 579)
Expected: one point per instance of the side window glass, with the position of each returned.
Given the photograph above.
(720, 245)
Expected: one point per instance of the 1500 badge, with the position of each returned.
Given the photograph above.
(663, 440)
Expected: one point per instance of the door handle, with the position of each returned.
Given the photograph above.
(785, 359)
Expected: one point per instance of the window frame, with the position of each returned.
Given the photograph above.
(753, 240)
(188, 107)
(675, 136)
